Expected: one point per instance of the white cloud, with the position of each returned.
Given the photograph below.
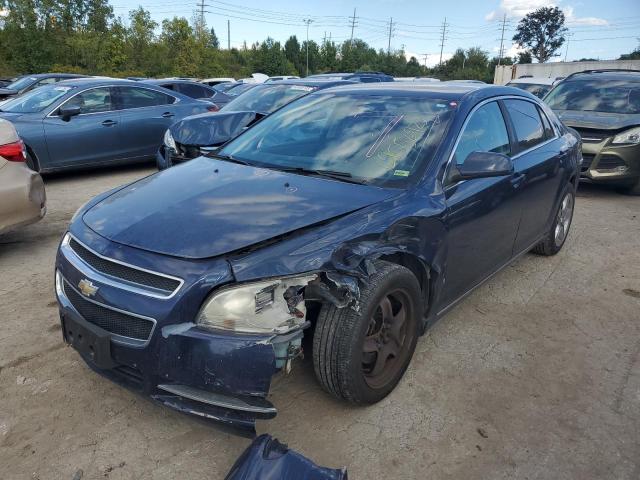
(432, 58)
(516, 9)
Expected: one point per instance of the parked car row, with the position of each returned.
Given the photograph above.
(347, 211)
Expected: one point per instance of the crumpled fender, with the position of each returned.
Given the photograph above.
(211, 129)
(268, 459)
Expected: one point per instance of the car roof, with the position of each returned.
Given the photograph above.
(160, 81)
(534, 80)
(317, 83)
(613, 74)
(45, 75)
(443, 90)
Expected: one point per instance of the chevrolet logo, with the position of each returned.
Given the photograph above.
(87, 288)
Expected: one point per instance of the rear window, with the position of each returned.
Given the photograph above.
(594, 95)
(267, 98)
(535, 88)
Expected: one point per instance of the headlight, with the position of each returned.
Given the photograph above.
(269, 306)
(169, 141)
(629, 137)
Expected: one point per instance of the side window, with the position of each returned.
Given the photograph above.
(193, 91)
(548, 130)
(485, 132)
(134, 97)
(526, 123)
(95, 100)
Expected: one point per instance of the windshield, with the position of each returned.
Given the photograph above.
(223, 87)
(36, 100)
(537, 89)
(20, 83)
(381, 139)
(267, 98)
(609, 96)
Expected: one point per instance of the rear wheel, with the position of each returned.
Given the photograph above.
(361, 356)
(555, 238)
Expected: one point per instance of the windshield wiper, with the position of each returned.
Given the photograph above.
(229, 158)
(333, 174)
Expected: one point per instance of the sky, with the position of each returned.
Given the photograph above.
(597, 29)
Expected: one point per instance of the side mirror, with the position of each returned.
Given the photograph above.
(67, 112)
(484, 165)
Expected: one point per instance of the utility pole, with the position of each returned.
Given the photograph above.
(426, 55)
(200, 29)
(566, 52)
(308, 21)
(390, 29)
(500, 53)
(442, 39)
(353, 25)
(228, 34)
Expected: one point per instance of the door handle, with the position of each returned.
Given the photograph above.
(518, 179)
(109, 123)
(168, 114)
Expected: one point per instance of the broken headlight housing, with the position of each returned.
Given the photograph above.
(271, 306)
(169, 141)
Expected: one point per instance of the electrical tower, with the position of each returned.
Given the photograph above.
(501, 52)
(443, 37)
(353, 25)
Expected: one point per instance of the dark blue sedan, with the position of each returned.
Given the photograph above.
(95, 121)
(355, 216)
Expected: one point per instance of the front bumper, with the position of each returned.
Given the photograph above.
(606, 163)
(216, 375)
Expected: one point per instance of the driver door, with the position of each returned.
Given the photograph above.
(92, 137)
(481, 214)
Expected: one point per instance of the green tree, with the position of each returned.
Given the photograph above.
(542, 32)
(524, 57)
(213, 40)
(634, 55)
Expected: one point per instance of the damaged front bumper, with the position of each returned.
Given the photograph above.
(215, 375)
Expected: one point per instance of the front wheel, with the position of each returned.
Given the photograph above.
(361, 356)
(555, 238)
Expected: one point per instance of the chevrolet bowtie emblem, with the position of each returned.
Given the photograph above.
(87, 288)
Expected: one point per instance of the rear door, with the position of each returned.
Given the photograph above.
(537, 163)
(88, 138)
(482, 216)
(145, 115)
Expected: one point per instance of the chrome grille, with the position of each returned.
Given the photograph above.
(117, 270)
(590, 135)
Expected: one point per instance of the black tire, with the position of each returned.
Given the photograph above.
(550, 245)
(342, 367)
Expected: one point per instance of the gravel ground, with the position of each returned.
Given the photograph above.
(533, 376)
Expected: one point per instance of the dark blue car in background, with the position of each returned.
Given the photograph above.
(95, 121)
(354, 217)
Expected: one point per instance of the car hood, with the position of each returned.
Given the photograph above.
(5, 92)
(207, 207)
(598, 120)
(211, 129)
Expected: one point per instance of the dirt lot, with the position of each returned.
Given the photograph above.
(535, 376)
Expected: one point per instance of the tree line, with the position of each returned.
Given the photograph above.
(84, 36)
